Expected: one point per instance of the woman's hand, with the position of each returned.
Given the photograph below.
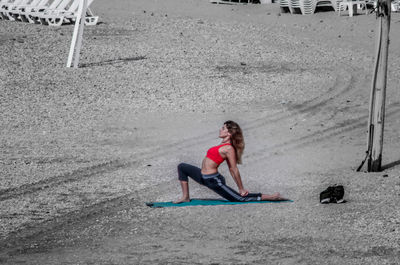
(243, 192)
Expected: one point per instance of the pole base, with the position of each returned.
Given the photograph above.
(375, 165)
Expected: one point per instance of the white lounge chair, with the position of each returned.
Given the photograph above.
(58, 17)
(2, 2)
(49, 13)
(311, 5)
(12, 11)
(90, 18)
(31, 14)
(5, 2)
(5, 5)
(328, 3)
(18, 13)
(284, 6)
(294, 6)
(395, 6)
(23, 12)
(352, 6)
(307, 7)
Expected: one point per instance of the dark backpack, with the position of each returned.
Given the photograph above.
(333, 194)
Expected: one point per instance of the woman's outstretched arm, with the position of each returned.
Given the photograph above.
(233, 169)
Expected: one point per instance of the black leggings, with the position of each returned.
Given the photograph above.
(216, 182)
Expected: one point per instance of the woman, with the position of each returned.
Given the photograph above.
(231, 150)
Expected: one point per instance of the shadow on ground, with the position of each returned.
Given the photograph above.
(114, 61)
(390, 165)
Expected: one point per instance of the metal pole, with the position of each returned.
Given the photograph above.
(76, 42)
(378, 91)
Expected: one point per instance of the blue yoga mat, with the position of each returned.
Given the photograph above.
(204, 202)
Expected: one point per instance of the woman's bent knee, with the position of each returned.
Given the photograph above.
(181, 166)
(181, 174)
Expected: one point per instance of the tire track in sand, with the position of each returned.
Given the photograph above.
(320, 135)
(343, 84)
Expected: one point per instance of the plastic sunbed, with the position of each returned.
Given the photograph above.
(58, 16)
(31, 14)
(13, 10)
(5, 6)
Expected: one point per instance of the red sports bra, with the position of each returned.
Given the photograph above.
(214, 155)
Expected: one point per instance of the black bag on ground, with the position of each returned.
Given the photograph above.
(333, 194)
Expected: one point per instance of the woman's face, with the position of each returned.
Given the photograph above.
(223, 132)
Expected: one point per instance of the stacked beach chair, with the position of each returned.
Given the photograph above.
(284, 4)
(307, 7)
(46, 12)
(352, 6)
(294, 6)
(395, 6)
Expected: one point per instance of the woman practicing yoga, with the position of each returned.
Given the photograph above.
(231, 150)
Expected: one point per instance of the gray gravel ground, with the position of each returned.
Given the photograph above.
(83, 149)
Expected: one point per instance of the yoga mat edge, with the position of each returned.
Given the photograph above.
(199, 202)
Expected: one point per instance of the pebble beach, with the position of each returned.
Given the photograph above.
(84, 149)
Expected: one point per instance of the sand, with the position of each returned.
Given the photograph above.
(84, 149)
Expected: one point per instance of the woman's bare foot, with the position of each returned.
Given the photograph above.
(274, 197)
(183, 199)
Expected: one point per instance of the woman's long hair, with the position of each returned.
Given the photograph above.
(237, 139)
